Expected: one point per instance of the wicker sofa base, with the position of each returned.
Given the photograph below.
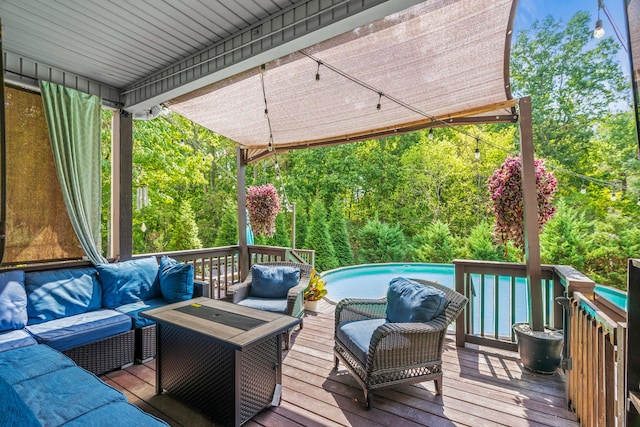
(145, 343)
(102, 356)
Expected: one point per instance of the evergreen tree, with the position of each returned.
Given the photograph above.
(339, 235)
(301, 225)
(318, 237)
(480, 244)
(228, 232)
(281, 237)
(380, 242)
(439, 244)
(564, 238)
(184, 233)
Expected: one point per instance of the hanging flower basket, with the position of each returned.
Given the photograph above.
(505, 188)
(263, 204)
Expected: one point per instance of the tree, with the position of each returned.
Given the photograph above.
(318, 237)
(228, 231)
(184, 233)
(572, 83)
(280, 237)
(565, 237)
(480, 244)
(380, 242)
(339, 235)
(438, 244)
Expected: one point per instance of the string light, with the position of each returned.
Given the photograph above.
(613, 194)
(598, 32)
(477, 149)
(378, 107)
(638, 201)
(583, 189)
(318, 71)
(431, 133)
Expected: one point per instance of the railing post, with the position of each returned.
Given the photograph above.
(461, 322)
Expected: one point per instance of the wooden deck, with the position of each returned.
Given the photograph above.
(480, 388)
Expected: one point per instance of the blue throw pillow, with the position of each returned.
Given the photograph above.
(129, 281)
(13, 300)
(272, 281)
(176, 280)
(57, 293)
(409, 301)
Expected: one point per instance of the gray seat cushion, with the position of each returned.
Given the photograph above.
(356, 336)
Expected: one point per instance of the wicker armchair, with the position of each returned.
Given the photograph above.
(295, 296)
(398, 352)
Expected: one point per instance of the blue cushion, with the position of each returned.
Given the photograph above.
(125, 412)
(133, 310)
(356, 336)
(176, 280)
(13, 411)
(23, 363)
(409, 301)
(70, 393)
(13, 300)
(73, 331)
(53, 294)
(128, 281)
(15, 339)
(272, 281)
(266, 304)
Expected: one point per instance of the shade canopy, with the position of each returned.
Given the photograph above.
(433, 64)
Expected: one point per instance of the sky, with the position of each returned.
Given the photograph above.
(531, 10)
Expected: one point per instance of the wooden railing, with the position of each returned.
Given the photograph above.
(592, 365)
(259, 254)
(219, 267)
(493, 308)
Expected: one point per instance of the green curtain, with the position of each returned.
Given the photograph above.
(73, 119)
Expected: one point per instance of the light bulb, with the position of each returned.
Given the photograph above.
(477, 153)
(431, 133)
(599, 30)
(583, 189)
(638, 201)
(613, 197)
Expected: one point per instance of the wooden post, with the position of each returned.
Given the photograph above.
(632, 381)
(530, 201)
(3, 154)
(121, 186)
(243, 257)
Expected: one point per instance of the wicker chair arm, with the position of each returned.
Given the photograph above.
(239, 291)
(295, 297)
(360, 308)
(403, 344)
(200, 288)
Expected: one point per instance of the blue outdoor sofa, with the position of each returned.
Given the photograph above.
(56, 321)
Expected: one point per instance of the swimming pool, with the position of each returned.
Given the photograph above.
(372, 281)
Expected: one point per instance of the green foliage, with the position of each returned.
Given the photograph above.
(339, 235)
(437, 244)
(318, 237)
(184, 233)
(565, 237)
(228, 231)
(480, 244)
(301, 225)
(380, 242)
(280, 237)
(315, 290)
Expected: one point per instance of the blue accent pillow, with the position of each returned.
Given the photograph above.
(176, 280)
(53, 294)
(13, 300)
(272, 281)
(409, 301)
(129, 281)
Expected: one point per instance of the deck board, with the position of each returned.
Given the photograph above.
(481, 387)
